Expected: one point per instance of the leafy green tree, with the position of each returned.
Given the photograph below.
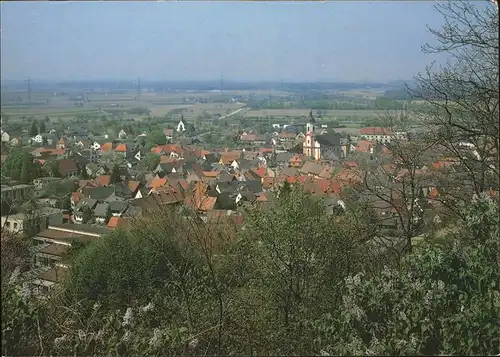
(86, 215)
(41, 127)
(152, 161)
(155, 138)
(19, 166)
(109, 214)
(46, 119)
(33, 129)
(458, 309)
(115, 174)
(63, 202)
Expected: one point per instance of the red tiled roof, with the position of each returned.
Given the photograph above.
(118, 222)
(211, 174)
(158, 182)
(66, 166)
(261, 172)
(164, 159)
(375, 131)
(132, 185)
(76, 196)
(106, 147)
(121, 148)
(365, 146)
(103, 180)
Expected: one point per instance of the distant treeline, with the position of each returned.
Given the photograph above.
(131, 85)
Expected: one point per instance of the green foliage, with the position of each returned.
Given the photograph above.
(41, 127)
(34, 129)
(86, 215)
(155, 138)
(442, 300)
(63, 202)
(152, 161)
(109, 214)
(115, 174)
(19, 166)
(19, 322)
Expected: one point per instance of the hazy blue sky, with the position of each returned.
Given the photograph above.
(204, 40)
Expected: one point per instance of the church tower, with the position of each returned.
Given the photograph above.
(310, 125)
(309, 142)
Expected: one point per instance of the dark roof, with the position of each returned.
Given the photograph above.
(98, 193)
(212, 157)
(101, 209)
(66, 166)
(330, 139)
(118, 206)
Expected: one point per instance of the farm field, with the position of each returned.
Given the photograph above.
(160, 104)
(331, 114)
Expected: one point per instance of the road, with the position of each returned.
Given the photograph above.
(235, 112)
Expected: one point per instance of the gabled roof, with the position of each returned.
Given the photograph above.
(66, 166)
(103, 180)
(101, 209)
(107, 147)
(375, 131)
(121, 148)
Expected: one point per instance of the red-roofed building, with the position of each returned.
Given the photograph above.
(122, 148)
(103, 180)
(118, 222)
(107, 147)
(365, 146)
(67, 168)
(382, 135)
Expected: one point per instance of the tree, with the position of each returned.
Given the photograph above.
(33, 129)
(86, 215)
(115, 174)
(52, 168)
(152, 161)
(109, 214)
(462, 98)
(455, 286)
(19, 166)
(46, 119)
(155, 138)
(63, 202)
(41, 127)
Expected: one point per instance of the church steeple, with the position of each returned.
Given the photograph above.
(310, 125)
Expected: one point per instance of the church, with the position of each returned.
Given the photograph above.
(321, 147)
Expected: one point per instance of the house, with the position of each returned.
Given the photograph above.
(181, 126)
(37, 139)
(42, 217)
(100, 212)
(382, 135)
(169, 134)
(80, 208)
(5, 137)
(122, 134)
(121, 150)
(321, 146)
(99, 193)
(16, 142)
(53, 244)
(365, 146)
(67, 168)
(42, 182)
(62, 143)
(16, 192)
(95, 146)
